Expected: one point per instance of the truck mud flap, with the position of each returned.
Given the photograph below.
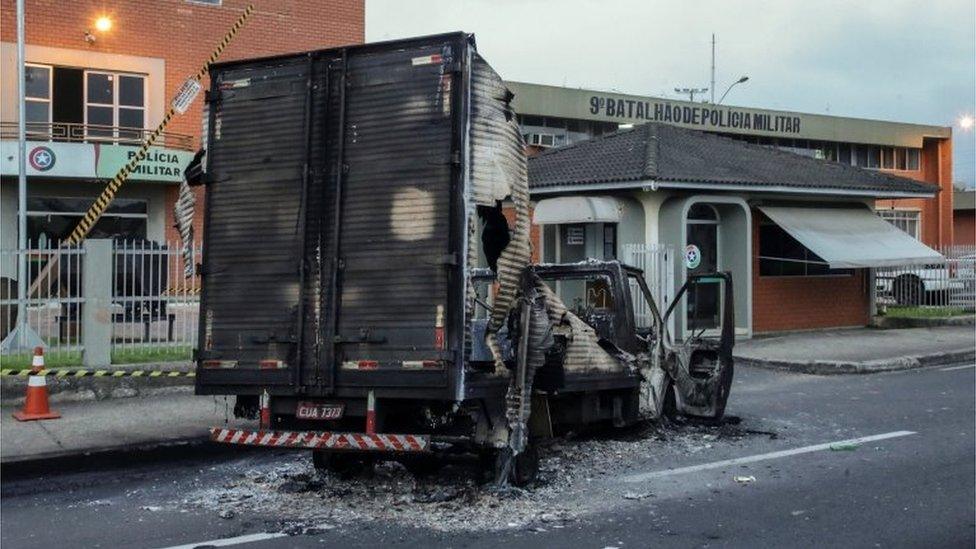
(323, 440)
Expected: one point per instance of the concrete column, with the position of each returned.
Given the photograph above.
(871, 277)
(96, 312)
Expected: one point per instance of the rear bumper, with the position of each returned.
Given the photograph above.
(323, 440)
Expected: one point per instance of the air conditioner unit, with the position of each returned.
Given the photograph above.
(540, 139)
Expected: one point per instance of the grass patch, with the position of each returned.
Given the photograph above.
(924, 312)
(52, 359)
(72, 359)
(136, 355)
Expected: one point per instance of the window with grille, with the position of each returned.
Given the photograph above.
(906, 220)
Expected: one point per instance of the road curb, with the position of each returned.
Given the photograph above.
(115, 457)
(898, 323)
(831, 367)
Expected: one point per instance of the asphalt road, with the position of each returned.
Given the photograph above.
(911, 485)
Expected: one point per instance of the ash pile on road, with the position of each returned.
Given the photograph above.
(575, 478)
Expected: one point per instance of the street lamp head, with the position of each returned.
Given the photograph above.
(742, 79)
(966, 122)
(103, 24)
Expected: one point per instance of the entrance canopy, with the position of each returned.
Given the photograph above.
(851, 237)
(577, 209)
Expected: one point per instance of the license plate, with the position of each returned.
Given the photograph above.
(318, 410)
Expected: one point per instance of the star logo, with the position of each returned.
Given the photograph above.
(41, 158)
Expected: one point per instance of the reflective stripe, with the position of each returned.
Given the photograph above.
(323, 440)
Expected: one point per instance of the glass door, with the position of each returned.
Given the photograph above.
(701, 256)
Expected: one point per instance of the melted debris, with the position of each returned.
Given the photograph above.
(305, 501)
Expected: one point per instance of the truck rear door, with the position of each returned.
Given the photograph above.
(335, 221)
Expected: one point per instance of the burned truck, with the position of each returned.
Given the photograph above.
(367, 287)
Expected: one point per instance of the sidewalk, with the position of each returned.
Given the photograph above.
(859, 351)
(115, 424)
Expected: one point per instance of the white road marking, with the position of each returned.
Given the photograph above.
(963, 367)
(230, 541)
(763, 457)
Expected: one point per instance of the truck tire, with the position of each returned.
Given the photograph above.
(908, 290)
(345, 465)
(526, 466)
(669, 408)
(524, 470)
(422, 466)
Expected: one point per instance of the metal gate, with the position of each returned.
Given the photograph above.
(657, 262)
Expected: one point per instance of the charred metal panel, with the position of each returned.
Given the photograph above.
(253, 231)
(336, 221)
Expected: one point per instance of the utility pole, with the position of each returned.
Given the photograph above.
(713, 68)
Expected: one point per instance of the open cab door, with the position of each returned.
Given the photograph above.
(700, 364)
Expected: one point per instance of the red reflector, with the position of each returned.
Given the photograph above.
(270, 364)
(368, 364)
(219, 363)
(432, 364)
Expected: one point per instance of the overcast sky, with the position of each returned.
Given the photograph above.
(904, 60)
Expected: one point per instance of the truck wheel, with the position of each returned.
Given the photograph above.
(526, 466)
(909, 290)
(421, 466)
(344, 465)
(669, 408)
(524, 469)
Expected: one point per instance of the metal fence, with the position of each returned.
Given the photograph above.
(53, 302)
(154, 306)
(950, 283)
(657, 262)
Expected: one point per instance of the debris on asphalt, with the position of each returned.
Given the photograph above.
(744, 479)
(226, 514)
(576, 476)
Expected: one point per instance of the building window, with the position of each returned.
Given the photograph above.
(888, 158)
(610, 241)
(906, 220)
(205, 2)
(51, 219)
(113, 101)
(782, 255)
(913, 159)
(37, 94)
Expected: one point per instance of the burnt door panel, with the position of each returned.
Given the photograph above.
(254, 234)
(395, 245)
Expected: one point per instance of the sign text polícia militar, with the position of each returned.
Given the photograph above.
(705, 115)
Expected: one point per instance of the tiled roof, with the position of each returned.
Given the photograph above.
(664, 153)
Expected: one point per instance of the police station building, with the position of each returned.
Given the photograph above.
(800, 208)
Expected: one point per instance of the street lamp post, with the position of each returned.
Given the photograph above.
(22, 336)
(739, 81)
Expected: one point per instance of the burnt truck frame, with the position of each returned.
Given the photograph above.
(342, 259)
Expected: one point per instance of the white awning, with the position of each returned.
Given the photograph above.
(577, 209)
(851, 237)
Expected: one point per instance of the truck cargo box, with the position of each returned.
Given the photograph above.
(341, 214)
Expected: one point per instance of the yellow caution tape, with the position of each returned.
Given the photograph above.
(81, 372)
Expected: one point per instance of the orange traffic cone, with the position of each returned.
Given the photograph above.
(36, 405)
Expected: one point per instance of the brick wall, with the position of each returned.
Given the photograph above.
(184, 34)
(936, 213)
(964, 227)
(784, 303)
